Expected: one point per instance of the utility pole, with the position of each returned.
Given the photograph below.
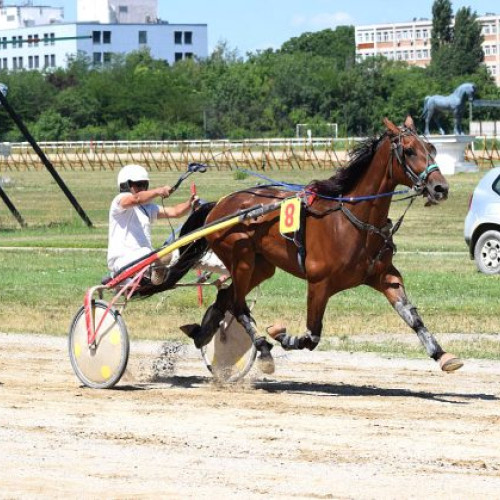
(48, 165)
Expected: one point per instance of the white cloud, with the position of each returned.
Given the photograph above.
(322, 21)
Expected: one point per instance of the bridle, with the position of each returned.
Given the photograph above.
(398, 153)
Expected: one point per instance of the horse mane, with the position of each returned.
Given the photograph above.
(346, 178)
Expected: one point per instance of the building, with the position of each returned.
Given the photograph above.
(117, 11)
(411, 42)
(37, 37)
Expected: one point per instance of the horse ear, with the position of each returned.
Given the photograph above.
(391, 127)
(409, 124)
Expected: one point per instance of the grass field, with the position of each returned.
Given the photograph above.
(42, 286)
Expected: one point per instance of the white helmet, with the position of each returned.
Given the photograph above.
(132, 173)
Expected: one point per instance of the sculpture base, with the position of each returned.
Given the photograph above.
(451, 153)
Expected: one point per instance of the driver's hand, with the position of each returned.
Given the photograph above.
(194, 201)
(164, 191)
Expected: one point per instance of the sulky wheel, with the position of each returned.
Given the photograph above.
(102, 366)
(231, 353)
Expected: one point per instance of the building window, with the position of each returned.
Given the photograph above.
(14, 63)
(123, 9)
(188, 55)
(106, 57)
(36, 40)
(178, 37)
(143, 37)
(45, 38)
(52, 60)
(37, 62)
(4, 42)
(178, 56)
(20, 40)
(97, 58)
(52, 39)
(30, 40)
(20, 62)
(5, 63)
(188, 37)
(30, 62)
(96, 37)
(46, 61)
(14, 42)
(106, 37)
(11, 18)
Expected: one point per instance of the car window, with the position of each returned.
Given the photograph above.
(496, 185)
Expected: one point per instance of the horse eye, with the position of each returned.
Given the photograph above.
(409, 152)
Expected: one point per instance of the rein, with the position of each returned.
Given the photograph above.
(301, 188)
(397, 150)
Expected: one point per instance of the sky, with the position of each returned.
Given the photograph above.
(248, 26)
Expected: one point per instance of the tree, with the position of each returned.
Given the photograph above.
(467, 43)
(456, 51)
(442, 33)
(338, 45)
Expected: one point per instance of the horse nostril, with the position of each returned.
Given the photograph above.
(441, 189)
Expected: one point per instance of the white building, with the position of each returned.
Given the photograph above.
(117, 11)
(411, 42)
(34, 37)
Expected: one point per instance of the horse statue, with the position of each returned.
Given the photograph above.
(454, 102)
(347, 241)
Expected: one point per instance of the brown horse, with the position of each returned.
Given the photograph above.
(348, 241)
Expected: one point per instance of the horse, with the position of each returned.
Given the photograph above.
(454, 102)
(348, 241)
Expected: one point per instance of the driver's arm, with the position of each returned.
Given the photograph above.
(142, 197)
(178, 210)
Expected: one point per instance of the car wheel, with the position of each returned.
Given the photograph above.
(487, 252)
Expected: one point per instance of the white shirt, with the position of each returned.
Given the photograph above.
(129, 236)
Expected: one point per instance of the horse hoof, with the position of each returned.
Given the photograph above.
(266, 364)
(449, 363)
(200, 337)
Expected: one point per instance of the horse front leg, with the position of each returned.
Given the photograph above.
(317, 299)
(458, 124)
(391, 285)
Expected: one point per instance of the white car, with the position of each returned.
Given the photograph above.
(482, 224)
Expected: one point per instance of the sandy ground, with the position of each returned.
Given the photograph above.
(325, 425)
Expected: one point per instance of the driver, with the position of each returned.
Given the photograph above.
(130, 217)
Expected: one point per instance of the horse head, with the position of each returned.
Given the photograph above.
(415, 157)
(466, 90)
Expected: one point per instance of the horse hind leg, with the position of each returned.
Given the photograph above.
(203, 334)
(249, 272)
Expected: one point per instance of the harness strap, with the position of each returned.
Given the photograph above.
(363, 226)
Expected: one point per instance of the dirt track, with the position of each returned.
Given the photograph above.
(326, 425)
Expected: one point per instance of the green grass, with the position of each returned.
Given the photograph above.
(42, 288)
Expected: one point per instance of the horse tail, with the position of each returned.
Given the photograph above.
(189, 254)
(426, 107)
